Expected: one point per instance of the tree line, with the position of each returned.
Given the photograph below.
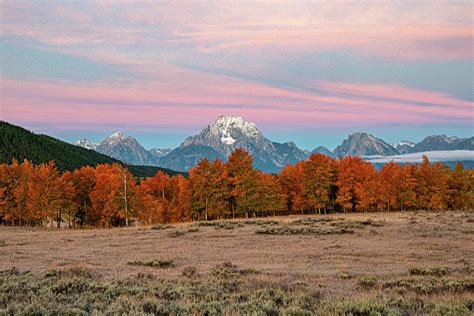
(109, 195)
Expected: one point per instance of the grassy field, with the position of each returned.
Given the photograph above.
(360, 264)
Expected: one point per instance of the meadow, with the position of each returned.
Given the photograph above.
(397, 263)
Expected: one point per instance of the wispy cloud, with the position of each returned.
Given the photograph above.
(347, 64)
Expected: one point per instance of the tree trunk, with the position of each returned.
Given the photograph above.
(205, 212)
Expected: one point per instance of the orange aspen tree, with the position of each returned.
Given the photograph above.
(242, 182)
(45, 194)
(14, 180)
(154, 193)
(84, 181)
(407, 189)
(432, 192)
(271, 200)
(459, 188)
(113, 196)
(291, 181)
(318, 177)
(356, 183)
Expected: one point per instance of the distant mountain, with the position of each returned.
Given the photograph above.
(85, 143)
(225, 135)
(184, 158)
(443, 142)
(19, 143)
(121, 147)
(126, 149)
(323, 150)
(404, 146)
(158, 153)
(363, 144)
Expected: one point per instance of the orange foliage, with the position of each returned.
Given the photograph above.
(107, 195)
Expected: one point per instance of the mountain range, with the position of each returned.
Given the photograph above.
(227, 133)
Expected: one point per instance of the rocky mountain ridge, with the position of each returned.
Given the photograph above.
(219, 139)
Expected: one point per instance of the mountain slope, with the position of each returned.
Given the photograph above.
(184, 158)
(19, 143)
(323, 150)
(228, 133)
(158, 152)
(363, 144)
(85, 143)
(443, 142)
(121, 147)
(404, 147)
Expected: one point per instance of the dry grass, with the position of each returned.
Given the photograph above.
(390, 256)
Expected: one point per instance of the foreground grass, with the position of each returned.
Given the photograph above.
(353, 264)
(226, 290)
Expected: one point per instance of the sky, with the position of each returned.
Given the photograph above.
(306, 71)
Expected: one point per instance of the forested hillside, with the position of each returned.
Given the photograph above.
(19, 143)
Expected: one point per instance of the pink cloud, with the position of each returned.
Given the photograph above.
(186, 98)
(440, 30)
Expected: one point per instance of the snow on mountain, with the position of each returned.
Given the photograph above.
(114, 138)
(363, 144)
(226, 134)
(230, 132)
(226, 138)
(404, 146)
(85, 143)
(403, 143)
(158, 152)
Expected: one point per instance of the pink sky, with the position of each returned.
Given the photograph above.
(284, 65)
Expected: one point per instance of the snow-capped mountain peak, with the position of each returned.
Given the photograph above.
(403, 143)
(227, 123)
(226, 134)
(404, 146)
(85, 143)
(226, 138)
(117, 136)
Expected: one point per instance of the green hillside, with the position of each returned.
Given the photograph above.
(19, 143)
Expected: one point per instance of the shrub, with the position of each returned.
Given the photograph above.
(153, 263)
(161, 226)
(437, 271)
(344, 275)
(176, 233)
(260, 222)
(190, 272)
(432, 285)
(367, 282)
(310, 220)
(305, 230)
(228, 269)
